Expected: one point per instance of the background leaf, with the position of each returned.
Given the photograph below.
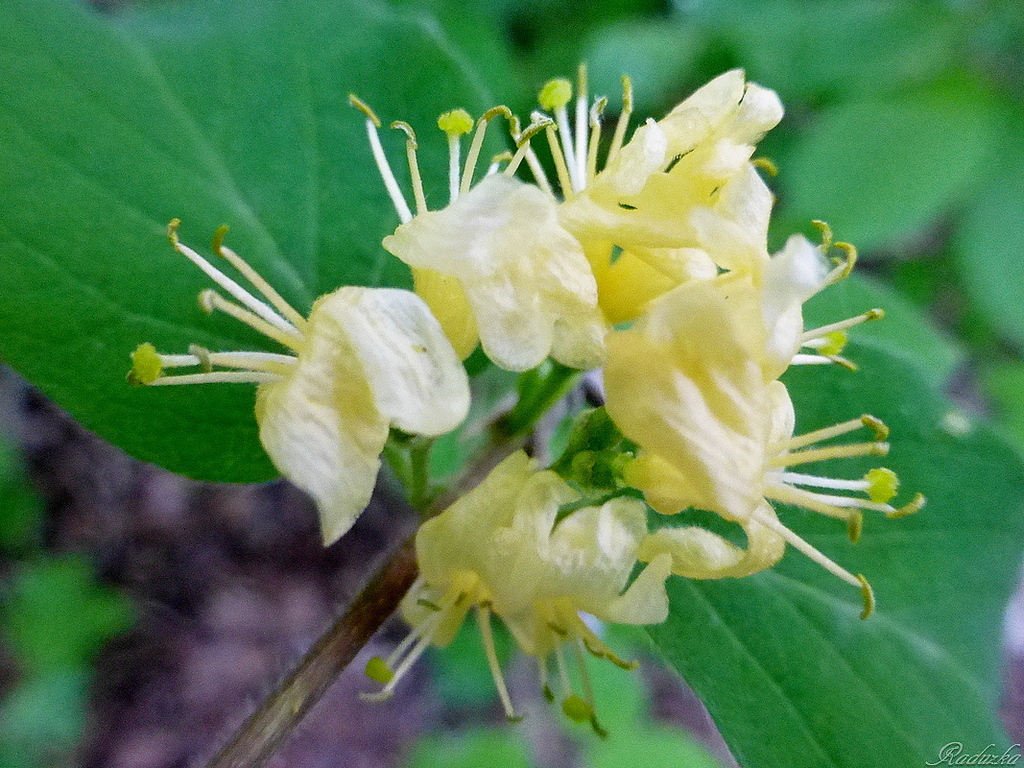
(217, 113)
(782, 660)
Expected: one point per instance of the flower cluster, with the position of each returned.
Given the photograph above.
(651, 262)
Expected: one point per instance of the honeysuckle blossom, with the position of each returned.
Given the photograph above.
(682, 196)
(494, 265)
(522, 547)
(364, 360)
(688, 384)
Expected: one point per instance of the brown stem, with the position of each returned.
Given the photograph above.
(256, 741)
(266, 729)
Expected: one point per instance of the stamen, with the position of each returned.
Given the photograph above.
(795, 478)
(563, 674)
(819, 435)
(257, 281)
(564, 178)
(269, 362)
(390, 183)
(238, 292)
(542, 679)
(483, 617)
(399, 672)
(808, 550)
(218, 377)
(554, 97)
(829, 452)
(815, 502)
(414, 167)
(826, 233)
(805, 359)
(497, 160)
(455, 124)
(623, 122)
(845, 268)
(842, 325)
(581, 124)
(525, 150)
(210, 300)
(477, 143)
(915, 505)
(595, 136)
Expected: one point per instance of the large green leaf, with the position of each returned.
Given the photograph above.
(782, 660)
(882, 169)
(221, 112)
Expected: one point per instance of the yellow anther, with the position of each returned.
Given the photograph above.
(146, 365)
(218, 239)
(502, 157)
(535, 127)
(869, 596)
(826, 233)
(882, 484)
(835, 342)
(363, 107)
(851, 259)
(497, 111)
(172, 231)
(410, 134)
(378, 670)
(456, 122)
(874, 314)
(576, 708)
(555, 94)
(766, 165)
(876, 425)
(855, 525)
(908, 509)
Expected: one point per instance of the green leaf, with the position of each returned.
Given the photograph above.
(990, 243)
(56, 616)
(42, 718)
(217, 113)
(789, 671)
(880, 170)
(807, 50)
(1004, 383)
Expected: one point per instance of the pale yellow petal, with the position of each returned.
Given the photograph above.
(645, 601)
(418, 382)
(321, 428)
(686, 383)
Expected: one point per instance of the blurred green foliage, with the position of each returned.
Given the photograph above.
(53, 619)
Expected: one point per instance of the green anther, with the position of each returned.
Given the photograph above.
(882, 484)
(596, 726)
(456, 122)
(548, 694)
(555, 94)
(378, 670)
(146, 365)
(834, 343)
(869, 597)
(575, 708)
(855, 525)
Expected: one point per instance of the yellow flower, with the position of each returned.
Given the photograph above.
(682, 197)
(512, 547)
(688, 384)
(364, 360)
(494, 265)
